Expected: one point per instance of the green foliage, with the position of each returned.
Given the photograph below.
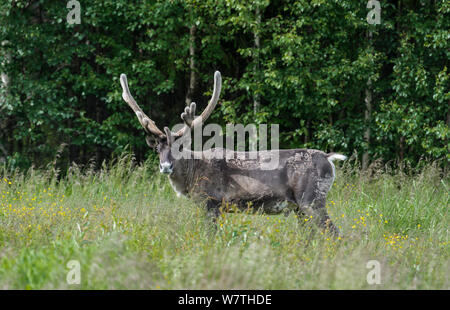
(310, 73)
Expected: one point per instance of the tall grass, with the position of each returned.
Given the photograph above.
(128, 230)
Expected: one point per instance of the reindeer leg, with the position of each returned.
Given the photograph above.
(213, 211)
(322, 217)
(313, 204)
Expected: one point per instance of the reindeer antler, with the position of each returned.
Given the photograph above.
(146, 122)
(188, 116)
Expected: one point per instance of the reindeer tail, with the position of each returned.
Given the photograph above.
(332, 156)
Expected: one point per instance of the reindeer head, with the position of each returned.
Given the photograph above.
(165, 140)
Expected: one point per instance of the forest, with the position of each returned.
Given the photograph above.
(332, 81)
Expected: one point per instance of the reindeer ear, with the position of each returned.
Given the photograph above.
(152, 141)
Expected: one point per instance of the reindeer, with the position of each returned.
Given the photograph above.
(298, 183)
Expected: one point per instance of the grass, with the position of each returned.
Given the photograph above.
(128, 230)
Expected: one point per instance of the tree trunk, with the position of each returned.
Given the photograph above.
(367, 117)
(306, 137)
(4, 84)
(193, 76)
(448, 125)
(367, 120)
(4, 77)
(257, 42)
(402, 149)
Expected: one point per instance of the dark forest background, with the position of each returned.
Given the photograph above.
(329, 78)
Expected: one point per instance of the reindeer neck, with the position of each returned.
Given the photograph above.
(184, 172)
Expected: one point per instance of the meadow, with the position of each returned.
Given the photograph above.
(128, 230)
